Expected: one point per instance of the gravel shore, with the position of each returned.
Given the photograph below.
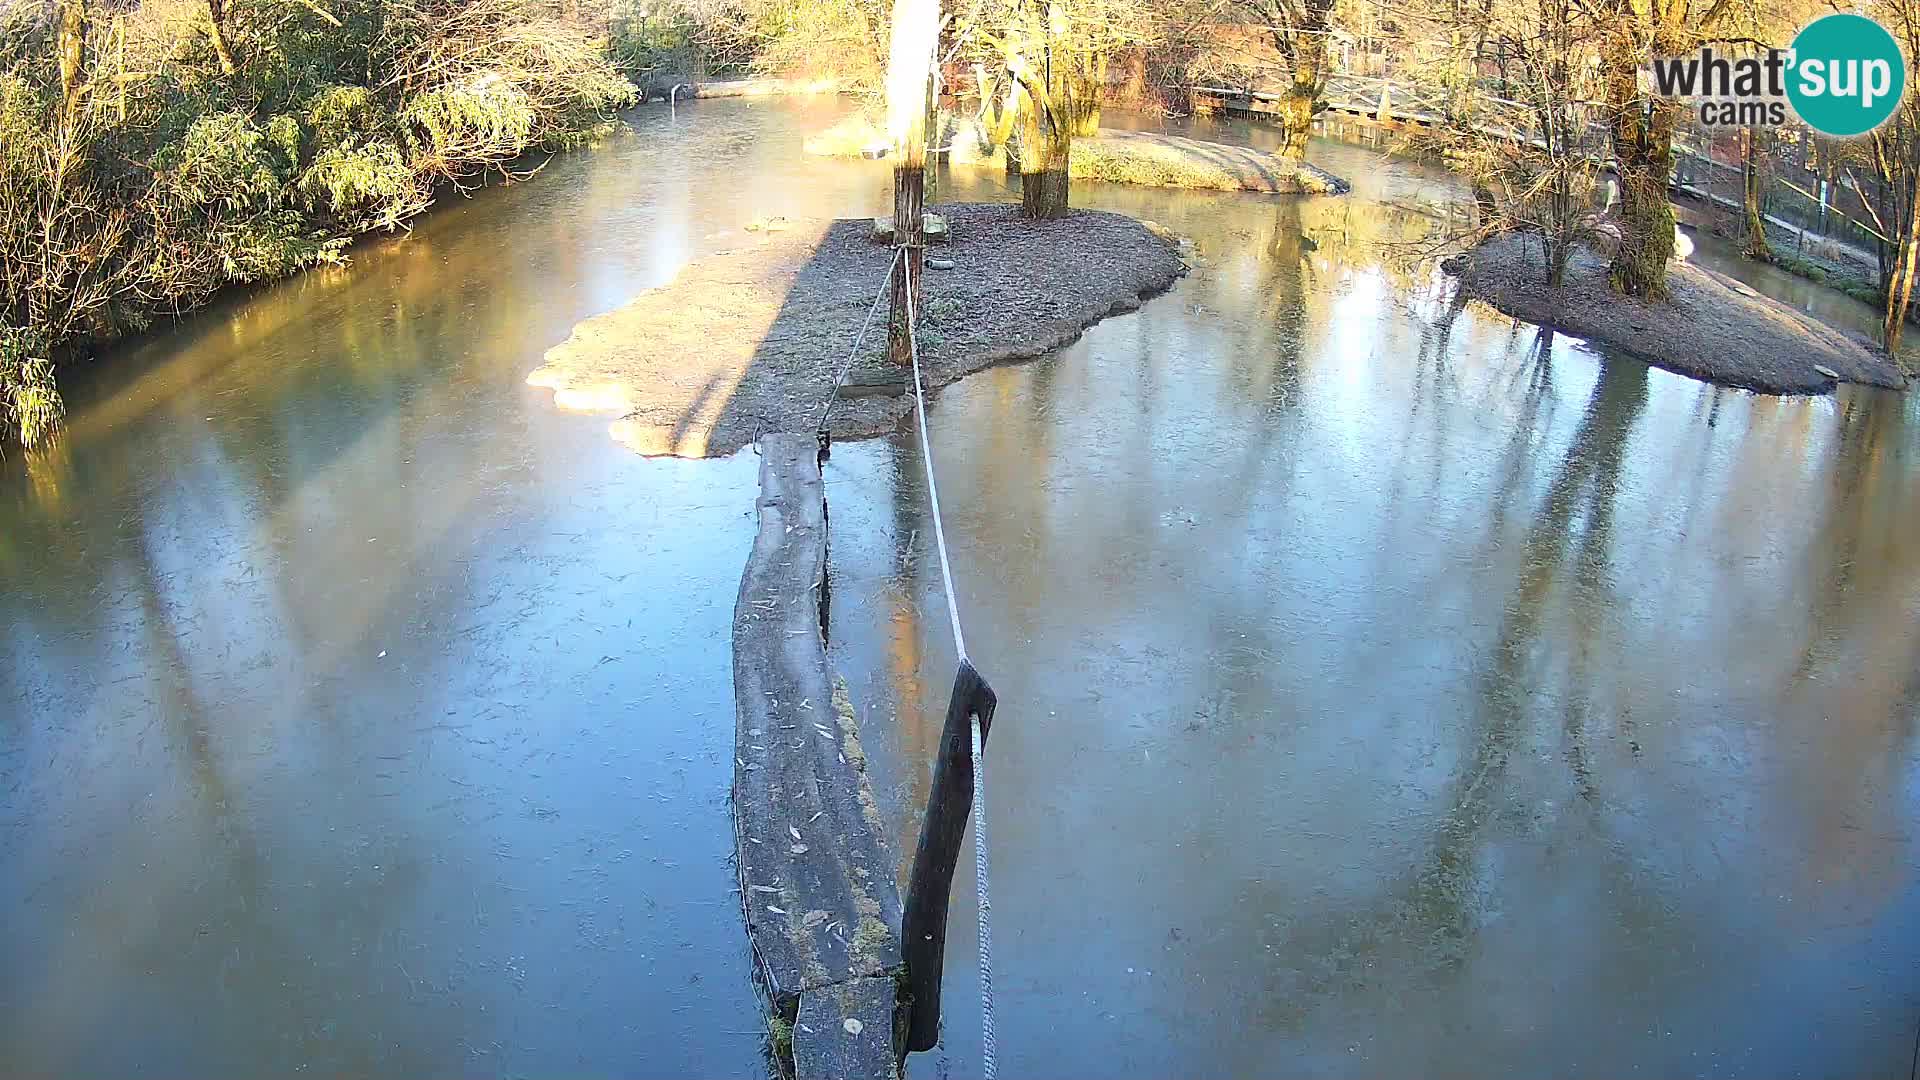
(755, 338)
(1711, 328)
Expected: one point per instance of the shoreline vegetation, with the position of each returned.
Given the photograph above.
(179, 147)
(157, 151)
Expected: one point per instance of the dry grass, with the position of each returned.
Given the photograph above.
(1154, 160)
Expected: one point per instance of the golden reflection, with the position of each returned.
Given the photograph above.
(672, 360)
(48, 468)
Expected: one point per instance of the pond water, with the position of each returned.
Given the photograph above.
(1391, 691)
(1386, 688)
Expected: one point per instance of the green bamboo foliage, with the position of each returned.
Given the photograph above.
(145, 161)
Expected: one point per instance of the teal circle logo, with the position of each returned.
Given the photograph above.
(1845, 75)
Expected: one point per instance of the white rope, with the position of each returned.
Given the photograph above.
(854, 353)
(989, 1043)
(926, 458)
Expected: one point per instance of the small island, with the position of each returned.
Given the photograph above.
(1709, 326)
(758, 337)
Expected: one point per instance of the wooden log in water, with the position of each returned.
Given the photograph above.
(839, 1033)
(816, 871)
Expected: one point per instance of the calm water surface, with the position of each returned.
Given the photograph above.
(1387, 689)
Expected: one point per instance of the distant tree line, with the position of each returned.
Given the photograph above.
(153, 151)
(1548, 115)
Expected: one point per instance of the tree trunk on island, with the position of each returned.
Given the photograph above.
(909, 201)
(1298, 30)
(1046, 148)
(1642, 131)
(1044, 195)
(1297, 108)
(1756, 245)
(1059, 97)
(999, 108)
(1900, 281)
(916, 28)
(1080, 89)
(1085, 120)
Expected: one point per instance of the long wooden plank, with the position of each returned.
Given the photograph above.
(816, 874)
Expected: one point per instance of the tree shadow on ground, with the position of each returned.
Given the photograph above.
(756, 338)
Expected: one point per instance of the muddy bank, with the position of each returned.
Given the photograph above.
(1147, 158)
(1711, 328)
(754, 339)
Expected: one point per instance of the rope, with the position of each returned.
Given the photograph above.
(926, 458)
(989, 1043)
(853, 354)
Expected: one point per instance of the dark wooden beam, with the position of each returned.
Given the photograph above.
(924, 928)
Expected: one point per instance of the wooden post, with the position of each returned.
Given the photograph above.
(916, 29)
(909, 200)
(923, 931)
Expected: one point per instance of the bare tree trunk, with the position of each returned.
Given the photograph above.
(1756, 246)
(909, 206)
(1642, 132)
(217, 33)
(1299, 33)
(1081, 88)
(1297, 108)
(998, 110)
(70, 45)
(916, 28)
(1900, 284)
(1046, 149)
(1047, 115)
(1556, 256)
(1886, 193)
